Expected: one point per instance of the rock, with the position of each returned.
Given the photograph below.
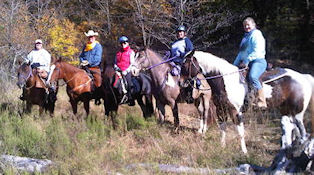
(24, 163)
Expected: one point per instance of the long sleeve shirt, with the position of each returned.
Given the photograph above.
(41, 57)
(92, 56)
(252, 47)
(179, 48)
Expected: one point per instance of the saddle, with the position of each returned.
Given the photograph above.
(95, 74)
(268, 76)
(121, 84)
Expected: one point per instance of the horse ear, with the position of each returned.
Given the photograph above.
(189, 54)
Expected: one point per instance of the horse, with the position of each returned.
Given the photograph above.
(291, 92)
(114, 93)
(166, 89)
(79, 84)
(34, 90)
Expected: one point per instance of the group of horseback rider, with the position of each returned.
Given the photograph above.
(251, 55)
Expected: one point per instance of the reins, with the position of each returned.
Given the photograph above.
(163, 62)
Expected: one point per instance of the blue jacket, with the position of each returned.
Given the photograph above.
(92, 56)
(252, 47)
(179, 48)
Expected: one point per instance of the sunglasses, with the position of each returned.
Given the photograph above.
(124, 42)
(38, 43)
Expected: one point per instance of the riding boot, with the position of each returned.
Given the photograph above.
(261, 100)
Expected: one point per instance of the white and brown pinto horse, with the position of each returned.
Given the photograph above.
(166, 89)
(290, 93)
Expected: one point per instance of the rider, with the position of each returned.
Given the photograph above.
(90, 58)
(252, 55)
(123, 62)
(179, 48)
(39, 59)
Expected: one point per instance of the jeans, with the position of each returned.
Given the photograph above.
(257, 68)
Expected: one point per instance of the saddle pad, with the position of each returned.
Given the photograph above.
(272, 74)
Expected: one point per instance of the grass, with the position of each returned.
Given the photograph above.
(91, 146)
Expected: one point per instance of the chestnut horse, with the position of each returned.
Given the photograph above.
(34, 90)
(79, 84)
(166, 89)
(290, 93)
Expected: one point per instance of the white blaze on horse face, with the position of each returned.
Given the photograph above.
(234, 88)
(52, 68)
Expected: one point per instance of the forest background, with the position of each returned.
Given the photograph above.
(213, 25)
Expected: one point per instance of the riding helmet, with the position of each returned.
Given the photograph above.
(181, 28)
(123, 39)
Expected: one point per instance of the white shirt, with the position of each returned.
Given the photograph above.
(42, 57)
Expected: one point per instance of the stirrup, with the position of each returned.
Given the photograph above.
(124, 99)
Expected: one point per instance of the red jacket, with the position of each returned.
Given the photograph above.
(123, 58)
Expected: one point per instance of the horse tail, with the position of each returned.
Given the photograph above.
(310, 78)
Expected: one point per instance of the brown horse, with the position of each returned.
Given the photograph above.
(79, 84)
(114, 95)
(166, 89)
(34, 90)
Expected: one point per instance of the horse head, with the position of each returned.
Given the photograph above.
(24, 73)
(190, 67)
(141, 61)
(55, 74)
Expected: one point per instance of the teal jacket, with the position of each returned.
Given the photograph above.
(252, 47)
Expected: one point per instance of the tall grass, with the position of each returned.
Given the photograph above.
(91, 146)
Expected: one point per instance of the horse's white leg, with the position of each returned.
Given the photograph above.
(240, 129)
(201, 113)
(300, 125)
(287, 127)
(206, 112)
(222, 127)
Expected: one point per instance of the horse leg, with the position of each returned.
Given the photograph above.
(28, 107)
(222, 127)
(176, 116)
(142, 105)
(240, 128)
(149, 105)
(86, 107)
(161, 112)
(287, 128)
(200, 107)
(300, 125)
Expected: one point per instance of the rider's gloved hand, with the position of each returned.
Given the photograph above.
(116, 68)
(84, 63)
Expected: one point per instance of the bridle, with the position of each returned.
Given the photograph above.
(25, 78)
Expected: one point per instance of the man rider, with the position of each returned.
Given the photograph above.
(39, 59)
(179, 48)
(90, 57)
(123, 62)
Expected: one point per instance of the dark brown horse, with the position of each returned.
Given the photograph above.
(166, 89)
(34, 90)
(290, 93)
(113, 93)
(79, 84)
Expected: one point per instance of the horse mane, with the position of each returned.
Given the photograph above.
(68, 65)
(214, 63)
